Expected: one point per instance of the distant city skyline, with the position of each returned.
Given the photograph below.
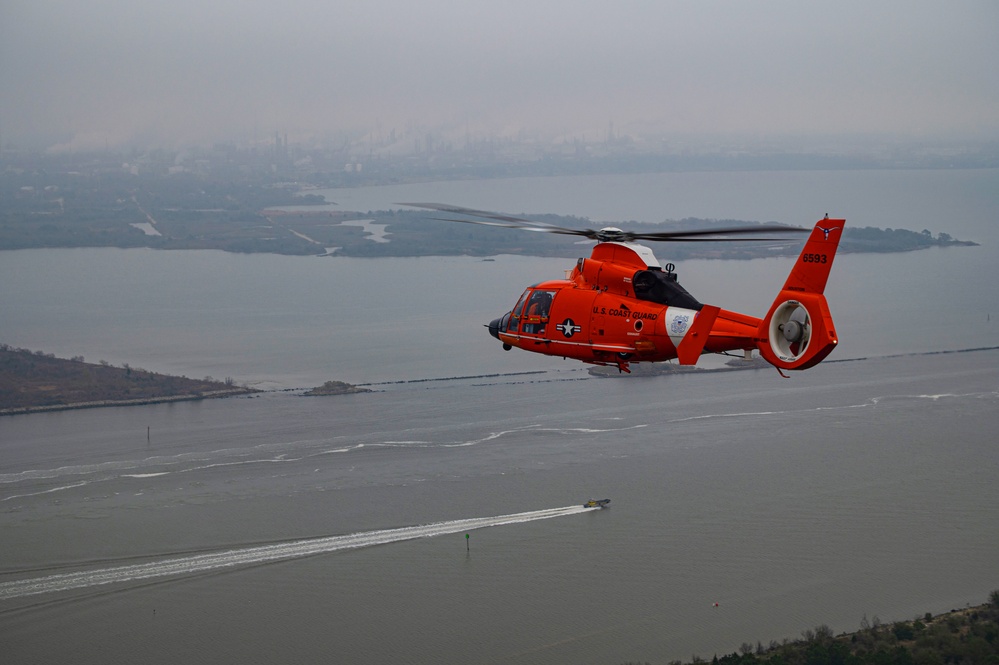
(110, 73)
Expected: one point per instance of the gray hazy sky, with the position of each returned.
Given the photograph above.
(90, 73)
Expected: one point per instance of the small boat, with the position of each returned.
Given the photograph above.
(596, 503)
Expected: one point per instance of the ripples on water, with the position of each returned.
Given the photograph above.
(856, 488)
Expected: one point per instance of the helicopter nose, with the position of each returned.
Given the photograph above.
(494, 327)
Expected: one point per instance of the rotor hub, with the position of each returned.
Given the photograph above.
(793, 330)
(611, 234)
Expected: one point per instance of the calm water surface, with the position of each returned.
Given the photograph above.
(860, 487)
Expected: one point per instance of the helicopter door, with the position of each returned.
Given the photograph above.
(534, 318)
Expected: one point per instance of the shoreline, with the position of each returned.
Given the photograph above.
(139, 401)
(38, 382)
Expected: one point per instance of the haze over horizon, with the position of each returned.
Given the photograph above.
(110, 73)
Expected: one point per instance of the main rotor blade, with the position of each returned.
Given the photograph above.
(699, 234)
(513, 222)
(682, 239)
(523, 227)
(693, 235)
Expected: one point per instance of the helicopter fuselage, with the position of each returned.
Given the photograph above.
(618, 306)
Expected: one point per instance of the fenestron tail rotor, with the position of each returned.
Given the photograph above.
(610, 233)
(790, 330)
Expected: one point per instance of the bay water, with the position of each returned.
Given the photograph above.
(745, 507)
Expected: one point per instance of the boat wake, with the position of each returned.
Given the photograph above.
(295, 549)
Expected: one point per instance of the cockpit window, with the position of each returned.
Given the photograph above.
(517, 311)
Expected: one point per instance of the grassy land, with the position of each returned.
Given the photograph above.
(35, 381)
(968, 636)
(40, 223)
(335, 388)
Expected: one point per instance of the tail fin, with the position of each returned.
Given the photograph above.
(798, 331)
(692, 345)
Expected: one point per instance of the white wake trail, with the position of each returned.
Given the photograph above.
(294, 549)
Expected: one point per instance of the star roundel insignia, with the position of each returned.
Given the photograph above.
(568, 327)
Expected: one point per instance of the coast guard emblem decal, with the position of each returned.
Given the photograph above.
(826, 231)
(679, 325)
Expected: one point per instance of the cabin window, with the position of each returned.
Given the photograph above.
(534, 318)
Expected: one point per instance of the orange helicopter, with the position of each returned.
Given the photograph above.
(619, 306)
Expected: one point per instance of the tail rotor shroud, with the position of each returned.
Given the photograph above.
(790, 330)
